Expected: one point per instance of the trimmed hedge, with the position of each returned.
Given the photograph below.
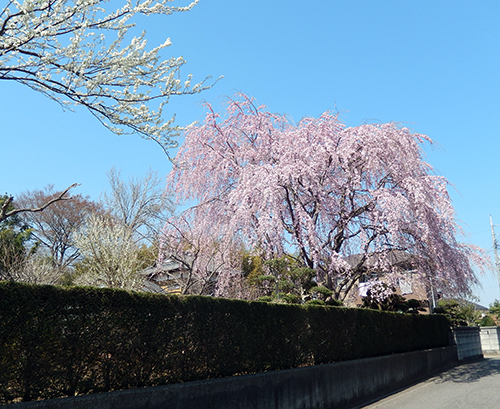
(57, 342)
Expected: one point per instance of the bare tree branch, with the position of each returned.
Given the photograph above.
(4, 214)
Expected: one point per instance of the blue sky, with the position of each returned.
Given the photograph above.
(432, 65)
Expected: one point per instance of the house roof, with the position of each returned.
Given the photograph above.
(150, 287)
(479, 307)
(166, 266)
(395, 257)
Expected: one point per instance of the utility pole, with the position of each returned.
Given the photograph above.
(495, 249)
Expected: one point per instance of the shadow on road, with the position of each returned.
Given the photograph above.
(470, 372)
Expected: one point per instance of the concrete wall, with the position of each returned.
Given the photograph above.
(468, 342)
(490, 340)
(339, 385)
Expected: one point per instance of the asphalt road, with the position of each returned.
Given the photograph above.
(473, 385)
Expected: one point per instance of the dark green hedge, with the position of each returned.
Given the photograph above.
(58, 342)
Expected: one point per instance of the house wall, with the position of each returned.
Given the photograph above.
(418, 291)
(339, 385)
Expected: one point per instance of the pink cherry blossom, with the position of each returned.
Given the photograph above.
(323, 191)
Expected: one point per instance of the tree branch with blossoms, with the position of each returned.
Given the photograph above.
(78, 53)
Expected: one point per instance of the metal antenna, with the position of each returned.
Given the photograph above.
(495, 249)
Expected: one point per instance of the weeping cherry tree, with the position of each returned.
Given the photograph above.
(325, 193)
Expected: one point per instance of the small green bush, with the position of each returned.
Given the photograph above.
(266, 298)
(315, 302)
(487, 321)
(291, 299)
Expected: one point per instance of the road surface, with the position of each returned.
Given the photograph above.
(473, 385)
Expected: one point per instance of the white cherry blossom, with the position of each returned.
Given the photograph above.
(81, 52)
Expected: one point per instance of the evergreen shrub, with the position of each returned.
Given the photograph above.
(57, 341)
